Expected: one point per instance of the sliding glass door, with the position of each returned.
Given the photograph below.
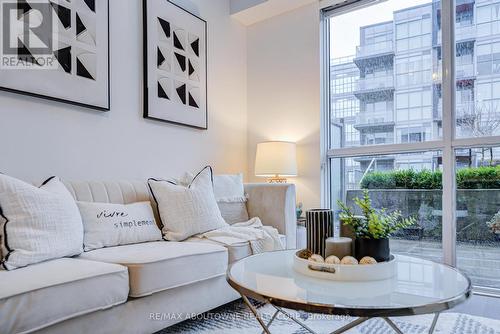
(412, 114)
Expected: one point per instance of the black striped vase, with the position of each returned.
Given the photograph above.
(319, 226)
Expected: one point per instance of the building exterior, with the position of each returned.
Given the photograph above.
(389, 91)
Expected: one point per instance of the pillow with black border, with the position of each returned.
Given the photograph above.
(187, 210)
(39, 223)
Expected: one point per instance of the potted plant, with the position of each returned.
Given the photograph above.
(373, 228)
(494, 225)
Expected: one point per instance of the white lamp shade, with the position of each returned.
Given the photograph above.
(276, 158)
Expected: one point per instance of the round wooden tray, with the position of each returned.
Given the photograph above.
(344, 272)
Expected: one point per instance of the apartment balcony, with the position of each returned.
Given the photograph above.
(367, 160)
(366, 54)
(341, 60)
(463, 71)
(462, 33)
(375, 122)
(371, 87)
(463, 111)
(377, 49)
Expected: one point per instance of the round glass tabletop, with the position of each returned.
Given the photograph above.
(419, 287)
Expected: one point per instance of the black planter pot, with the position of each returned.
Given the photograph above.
(376, 248)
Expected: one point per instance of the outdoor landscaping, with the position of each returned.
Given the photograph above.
(418, 194)
(467, 178)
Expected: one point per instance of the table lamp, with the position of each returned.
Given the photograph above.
(276, 160)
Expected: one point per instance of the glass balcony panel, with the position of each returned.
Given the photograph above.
(463, 71)
(463, 32)
(369, 119)
(379, 82)
(373, 49)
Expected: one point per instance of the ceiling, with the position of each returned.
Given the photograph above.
(249, 12)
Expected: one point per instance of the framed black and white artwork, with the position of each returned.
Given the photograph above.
(175, 65)
(57, 50)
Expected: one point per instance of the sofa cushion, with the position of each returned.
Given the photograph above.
(163, 265)
(236, 251)
(40, 224)
(43, 294)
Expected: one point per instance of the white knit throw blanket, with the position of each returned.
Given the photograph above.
(261, 238)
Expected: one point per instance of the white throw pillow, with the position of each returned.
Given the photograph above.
(229, 188)
(186, 211)
(107, 225)
(230, 195)
(40, 224)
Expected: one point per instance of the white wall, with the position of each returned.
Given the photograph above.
(40, 138)
(284, 92)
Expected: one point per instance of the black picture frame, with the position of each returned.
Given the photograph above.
(71, 102)
(146, 64)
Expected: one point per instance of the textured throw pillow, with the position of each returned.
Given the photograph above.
(186, 211)
(107, 225)
(39, 224)
(230, 195)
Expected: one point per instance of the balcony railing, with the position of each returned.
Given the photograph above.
(370, 119)
(375, 83)
(461, 33)
(462, 71)
(374, 49)
(481, 111)
(341, 60)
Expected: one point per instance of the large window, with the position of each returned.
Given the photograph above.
(488, 58)
(414, 70)
(478, 217)
(413, 34)
(420, 139)
(488, 18)
(414, 105)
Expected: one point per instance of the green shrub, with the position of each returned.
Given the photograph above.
(479, 178)
(405, 178)
(467, 178)
(378, 180)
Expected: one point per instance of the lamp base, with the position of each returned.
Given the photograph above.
(277, 179)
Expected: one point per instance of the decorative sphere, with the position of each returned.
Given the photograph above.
(332, 259)
(368, 260)
(349, 260)
(317, 258)
(305, 254)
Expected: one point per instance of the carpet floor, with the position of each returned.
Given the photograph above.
(236, 318)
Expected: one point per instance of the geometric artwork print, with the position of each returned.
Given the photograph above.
(178, 58)
(82, 56)
(82, 52)
(75, 54)
(175, 56)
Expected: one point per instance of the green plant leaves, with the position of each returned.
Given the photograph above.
(375, 224)
(467, 178)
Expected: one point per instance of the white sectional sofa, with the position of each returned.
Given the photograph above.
(140, 288)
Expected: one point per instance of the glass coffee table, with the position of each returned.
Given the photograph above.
(419, 287)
